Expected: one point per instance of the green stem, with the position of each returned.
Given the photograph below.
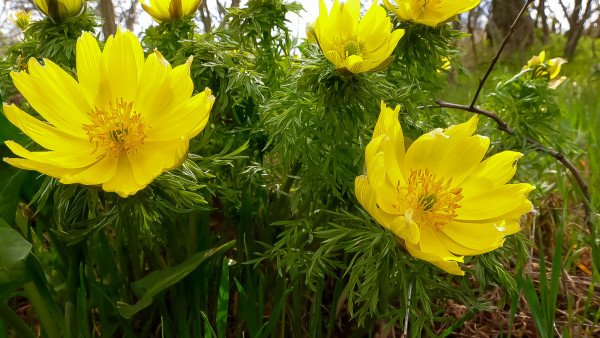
(134, 250)
(289, 181)
(281, 205)
(192, 232)
(11, 318)
(129, 223)
(44, 316)
(72, 287)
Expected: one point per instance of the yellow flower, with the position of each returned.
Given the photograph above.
(59, 10)
(170, 10)
(554, 66)
(549, 70)
(430, 12)
(354, 45)
(535, 60)
(21, 19)
(446, 66)
(120, 125)
(437, 195)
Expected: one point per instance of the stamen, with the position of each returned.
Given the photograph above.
(431, 201)
(352, 48)
(117, 130)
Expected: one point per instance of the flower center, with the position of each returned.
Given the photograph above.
(431, 202)
(351, 48)
(116, 130)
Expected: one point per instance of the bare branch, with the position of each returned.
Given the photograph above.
(565, 10)
(587, 13)
(131, 16)
(495, 59)
(108, 14)
(205, 16)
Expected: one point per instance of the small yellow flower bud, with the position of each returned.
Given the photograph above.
(60, 10)
(22, 19)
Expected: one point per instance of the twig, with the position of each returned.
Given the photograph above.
(566, 11)
(503, 126)
(510, 32)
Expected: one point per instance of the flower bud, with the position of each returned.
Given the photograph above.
(60, 10)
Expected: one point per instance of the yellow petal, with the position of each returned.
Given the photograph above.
(409, 231)
(425, 152)
(374, 162)
(368, 199)
(472, 238)
(186, 120)
(494, 171)
(464, 129)
(393, 147)
(66, 159)
(91, 71)
(462, 157)
(44, 134)
(448, 264)
(502, 202)
(124, 58)
(150, 160)
(155, 96)
(44, 168)
(96, 174)
(55, 95)
(164, 94)
(123, 182)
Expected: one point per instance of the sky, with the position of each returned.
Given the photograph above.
(297, 22)
(311, 13)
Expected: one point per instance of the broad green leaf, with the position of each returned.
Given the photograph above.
(13, 251)
(148, 287)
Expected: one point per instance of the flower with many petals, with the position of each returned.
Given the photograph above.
(122, 123)
(430, 12)
(22, 19)
(170, 10)
(352, 44)
(59, 10)
(546, 70)
(438, 195)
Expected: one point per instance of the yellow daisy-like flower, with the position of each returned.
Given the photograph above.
(535, 60)
(430, 12)
(59, 10)
(120, 125)
(352, 44)
(170, 10)
(549, 70)
(438, 196)
(21, 19)
(446, 66)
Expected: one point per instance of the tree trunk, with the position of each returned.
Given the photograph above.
(576, 21)
(543, 20)
(205, 16)
(107, 11)
(131, 16)
(504, 13)
(572, 41)
(471, 30)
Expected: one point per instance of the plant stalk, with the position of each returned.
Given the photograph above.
(14, 321)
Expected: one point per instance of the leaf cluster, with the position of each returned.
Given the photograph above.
(45, 39)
